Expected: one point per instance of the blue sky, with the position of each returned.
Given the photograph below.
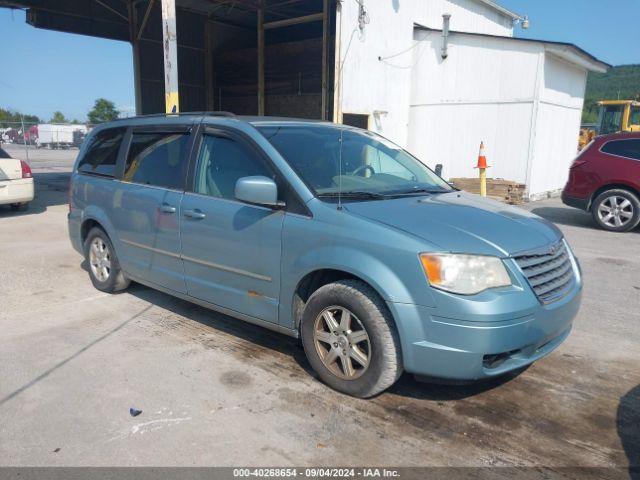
(607, 29)
(43, 71)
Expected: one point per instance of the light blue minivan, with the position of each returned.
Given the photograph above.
(327, 233)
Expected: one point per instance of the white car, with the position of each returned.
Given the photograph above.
(16, 182)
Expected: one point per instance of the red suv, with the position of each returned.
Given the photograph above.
(604, 179)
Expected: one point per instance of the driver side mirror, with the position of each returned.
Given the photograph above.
(258, 190)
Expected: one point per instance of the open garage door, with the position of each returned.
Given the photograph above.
(224, 45)
(298, 50)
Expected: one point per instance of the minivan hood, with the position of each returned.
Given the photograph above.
(461, 222)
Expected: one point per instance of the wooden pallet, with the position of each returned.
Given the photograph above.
(506, 191)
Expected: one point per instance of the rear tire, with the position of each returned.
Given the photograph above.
(104, 269)
(16, 207)
(350, 339)
(616, 210)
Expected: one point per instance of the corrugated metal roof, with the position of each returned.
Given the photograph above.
(577, 50)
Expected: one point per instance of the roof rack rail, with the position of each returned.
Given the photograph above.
(220, 113)
(212, 113)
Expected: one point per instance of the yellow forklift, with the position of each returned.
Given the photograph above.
(614, 116)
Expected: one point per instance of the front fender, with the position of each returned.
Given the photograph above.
(384, 257)
(362, 265)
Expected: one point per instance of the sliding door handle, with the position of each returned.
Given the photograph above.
(195, 214)
(166, 208)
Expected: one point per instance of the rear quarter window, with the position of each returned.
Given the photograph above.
(102, 153)
(4, 154)
(158, 159)
(628, 148)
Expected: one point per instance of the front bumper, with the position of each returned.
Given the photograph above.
(485, 346)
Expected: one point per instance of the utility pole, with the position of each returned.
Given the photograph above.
(325, 67)
(134, 38)
(24, 139)
(170, 49)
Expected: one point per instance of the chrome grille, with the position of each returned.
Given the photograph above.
(550, 273)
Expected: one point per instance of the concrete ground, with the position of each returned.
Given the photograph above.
(216, 391)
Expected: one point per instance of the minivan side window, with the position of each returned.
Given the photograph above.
(623, 148)
(221, 162)
(157, 159)
(102, 153)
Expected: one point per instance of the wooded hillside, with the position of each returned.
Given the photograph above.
(622, 82)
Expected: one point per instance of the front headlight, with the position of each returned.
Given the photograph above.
(464, 274)
(573, 259)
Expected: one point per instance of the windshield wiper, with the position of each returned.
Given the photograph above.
(414, 191)
(351, 194)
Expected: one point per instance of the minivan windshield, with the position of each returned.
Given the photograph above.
(358, 163)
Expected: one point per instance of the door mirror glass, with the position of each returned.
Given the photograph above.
(257, 190)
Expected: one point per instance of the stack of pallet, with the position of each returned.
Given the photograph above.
(506, 191)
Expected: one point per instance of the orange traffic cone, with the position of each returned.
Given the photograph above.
(482, 168)
(482, 159)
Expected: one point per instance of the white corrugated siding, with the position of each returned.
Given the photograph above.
(484, 91)
(557, 125)
(466, 16)
(520, 100)
(369, 84)
(523, 102)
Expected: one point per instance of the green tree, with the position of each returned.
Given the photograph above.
(103, 111)
(11, 118)
(58, 117)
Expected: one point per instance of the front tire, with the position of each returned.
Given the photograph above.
(350, 339)
(616, 210)
(104, 269)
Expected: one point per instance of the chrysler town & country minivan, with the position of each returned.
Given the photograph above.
(327, 233)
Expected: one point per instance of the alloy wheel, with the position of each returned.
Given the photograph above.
(615, 211)
(100, 259)
(342, 343)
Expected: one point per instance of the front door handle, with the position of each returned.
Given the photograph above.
(166, 208)
(195, 214)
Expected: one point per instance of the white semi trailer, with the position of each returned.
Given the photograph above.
(49, 135)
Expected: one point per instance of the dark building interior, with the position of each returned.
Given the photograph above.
(219, 50)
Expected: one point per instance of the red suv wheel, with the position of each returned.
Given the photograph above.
(616, 210)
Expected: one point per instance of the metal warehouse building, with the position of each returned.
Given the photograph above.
(435, 85)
